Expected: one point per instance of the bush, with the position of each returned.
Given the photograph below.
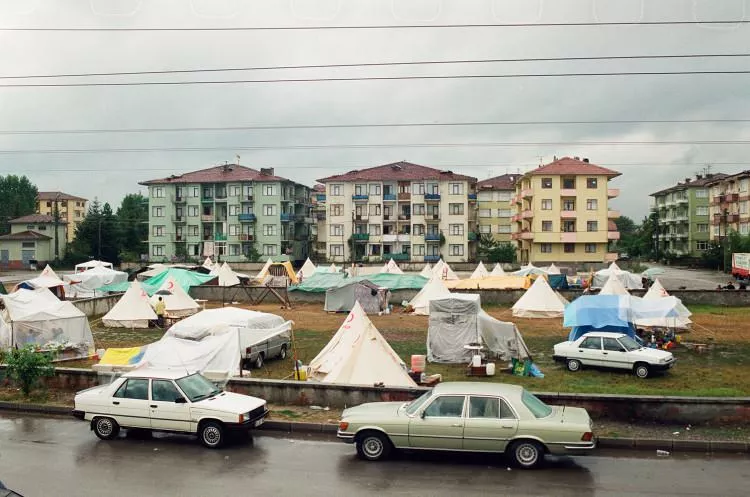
(25, 367)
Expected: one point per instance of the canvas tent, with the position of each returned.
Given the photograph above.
(613, 286)
(529, 270)
(319, 282)
(85, 266)
(86, 284)
(680, 321)
(183, 277)
(46, 279)
(540, 301)
(426, 271)
(551, 269)
(264, 269)
(629, 280)
(457, 320)
(227, 277)
(491, 283)
(38, 318)
(178, 302)
(307, 269)
(133, 310)
(359, 355)
(279, 270)
(435, 288)
(480, 272)
(391, 267)
(497, 270)
(343, 297)
(443, 271)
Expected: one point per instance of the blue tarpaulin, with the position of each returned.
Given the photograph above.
(558, 281)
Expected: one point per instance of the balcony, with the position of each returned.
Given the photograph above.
(523, 235)
(471, 236)
(245, 237)
(179, 219)
(613, 235)
(359, 217)
(207, 199)
(220, 237)
(568, 192)
(527, 193)
(682, 200)
(568, 214)
(389, 218)
(613, 192)
(178, 238)
(320, 197)
(432, 197)
(432, 216)
(733, 218)
(571, 237)
(389, 197)
(472, 197)
(731, 197)
(515, 218)
(360, 237)
(320, 216)
(207, 218)
(397, 257)
(613, 214)
(360, 198)
(404, 197)
(221, 197)
(432, 237)
(247, 218)
(404, 217)
(247, 198)
(179, 199)
(431, 258)
(286, 217)
(527, 214)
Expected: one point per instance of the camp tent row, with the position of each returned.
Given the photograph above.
(133, 310)
(680, 320)
(352, 291)
(540, 301)
(87, 283)
(629, 280)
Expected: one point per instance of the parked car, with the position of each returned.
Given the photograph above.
(275, 347)
(612, 350)
(169, 401)
(470, 417)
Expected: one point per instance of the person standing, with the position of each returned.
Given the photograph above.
(160, 308)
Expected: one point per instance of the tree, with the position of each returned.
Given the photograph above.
(625, 225)
(132, 220)
(18, 196)
(492, 250)
(25, 366)
(97, 236)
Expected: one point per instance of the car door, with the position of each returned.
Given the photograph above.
(589, 351)
(168, 408)
(130, 404)
(439, 425)
(615, 355)
(489, 424)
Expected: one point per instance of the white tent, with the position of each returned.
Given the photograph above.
(457, 320)
(85, 284)
(359, 355)
(426, 271)
(209, 264)
(480, 271)
(307, 269)
(264, 271)
(204, 323)
(85, 266)
(46, 279)
(551, 269)
(540, 301)
(227, 277)
(434, 288)
(178, 302)
(629, 280)
(529, 270)
(443, 271)
(216, 357)
(333, 268)
(613, 286)
(391, 267)
(681, 320)
(497, 270)
(133, 310)
(37, 317)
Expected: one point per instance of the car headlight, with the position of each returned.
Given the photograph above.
(244, 417)
(664, 359)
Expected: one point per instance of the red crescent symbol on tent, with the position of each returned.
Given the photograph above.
(350, 318)
(143, 293)
(663, 292)
(170, 285)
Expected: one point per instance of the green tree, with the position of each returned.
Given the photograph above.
(26, 367)
(132, 220)
(626, 226)
(18, 196)
(97, 236)
(492, 250)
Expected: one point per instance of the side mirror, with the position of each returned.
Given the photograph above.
(422, 414)
(180, 400)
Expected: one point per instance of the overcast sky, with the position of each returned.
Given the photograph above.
(109, 176)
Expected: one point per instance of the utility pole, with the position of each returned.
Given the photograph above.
(56, 214)
(99, 245)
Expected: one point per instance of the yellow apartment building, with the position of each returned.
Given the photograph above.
(72, 209)
(562, 213)
(495, 209)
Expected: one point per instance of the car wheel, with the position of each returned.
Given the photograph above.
(641, 370)
(527, 454)
(212, 435)
(282, 352)
(258, 361)
(373, 446)
(106, 428)
(574, 365)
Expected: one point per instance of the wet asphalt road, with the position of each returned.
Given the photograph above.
(61, 457)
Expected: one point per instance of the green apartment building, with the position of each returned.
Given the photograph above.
(495, 209)
(683, 216)
(227, 212)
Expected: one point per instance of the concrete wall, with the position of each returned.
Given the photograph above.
(235, 294)
(97, 306)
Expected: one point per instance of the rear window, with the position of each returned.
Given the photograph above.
(538, 408)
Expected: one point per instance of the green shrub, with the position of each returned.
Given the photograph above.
(25, 367)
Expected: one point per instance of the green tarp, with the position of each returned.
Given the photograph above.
(3, 291)
(320, 282)
(183, 277)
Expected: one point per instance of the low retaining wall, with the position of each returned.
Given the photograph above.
(238, 294)
(97, 306)
(688, 410)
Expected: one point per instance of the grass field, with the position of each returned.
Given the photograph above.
(723, 370)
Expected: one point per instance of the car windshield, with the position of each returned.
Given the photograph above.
(197, 387)
(629, 343)
(414, 405)
(538, 408)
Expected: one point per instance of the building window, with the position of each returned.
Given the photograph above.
(546, 225)
(485, 212)
(503, 196)
(701, 211)
(503, 213)
(743, 207)
(433, 188)
(546, 248)
(375, 189)
(418, 188)
(485, 228)
(360, 189)
(28, 245)
(374, 210)
(456, 249)
(701, 193)
(456, 229)
(192, 210)
(457, 188)
(418, 249)
(418, 229)
(269, 190)
(269, 230)
(456, 209)
(569, 183)
(546, 182)
(337, 250)
(208, 192)
(337, 210)
(235, 249)
(30, 226)
(503, 228)
(49, 204)
(158, 192)
(234, 210)
(590, 248)
(569, 226)
(701, 245)
(484, 196)
(374, 230)
(569, 248)
(701, 228)
(547, 204)
(336, 190)
(195, 191)
(592, 204)
(743, 229)
(234, 229)
(41, 227)
(337, 230)
(592, 226)
(717, 230)
(418, 209)
(235, 190)
(269, 210)
(269, 249)
(193, 230)
(157, 211)
(591, 182)
(157, 250)
(157, 230)
(569, 205)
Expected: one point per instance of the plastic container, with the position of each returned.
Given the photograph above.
(301, 373)
(476, 361)
(490, 369)
(418, 363)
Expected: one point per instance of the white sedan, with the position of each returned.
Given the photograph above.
(169, 401)
(612, 350)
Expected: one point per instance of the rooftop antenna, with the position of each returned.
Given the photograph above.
(541, 160)
(238, 159)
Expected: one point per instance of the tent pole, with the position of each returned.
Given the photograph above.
(294, 356)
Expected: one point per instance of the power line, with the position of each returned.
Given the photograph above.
(378, 64)
(386, 26)
(376, 78)
(372, 145)
(362, 125)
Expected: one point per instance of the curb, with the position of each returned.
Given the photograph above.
(639, 444)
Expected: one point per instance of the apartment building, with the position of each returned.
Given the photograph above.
(71, 209)
(495, 209)
(728, 211)
(318, 238)
(402, 211)
(562, 213)
(227, 211)
(32, 238)
(683, 215)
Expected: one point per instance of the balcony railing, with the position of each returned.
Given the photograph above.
(568, 214)
(527, 214)
(247, 198)
(472, 197)
(404, 217)
(432, 197)
(360, 198)
(404, 196)
(360, 237)
(179, 199)
(472, 237)
(397, 257)
(179, 219)
(207, 199)
(431, 258)
(246, 237)
(320, 197)
(528, 192)
(613, 235)
(613, 214)
(220, 237)
(431, 216)
(389, 197)
(247, 218)
(359, 217)
(568, 192)
(286, 217)
(432, 237)
(207, 218)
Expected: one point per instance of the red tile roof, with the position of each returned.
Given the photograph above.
(24, 236)
(502, 182)
(217, 174)
(35, 219)
(715, 177)
(570, 166)
(57, 195)
(398, 171)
